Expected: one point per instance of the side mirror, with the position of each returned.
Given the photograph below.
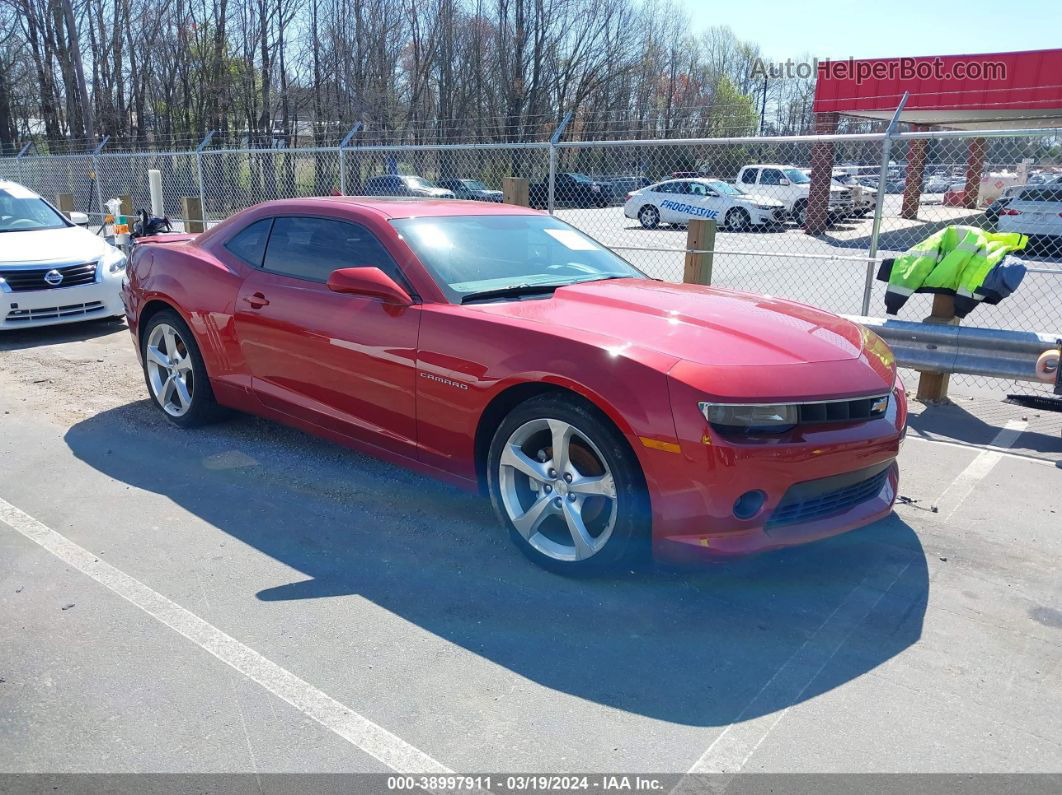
(81, 219)
(368, 281)
(784, 182)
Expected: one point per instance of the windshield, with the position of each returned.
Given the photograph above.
(474, 253)
(474, 184)
(796, 176)
(25, 213)
(580, 178)
(418, 182)
(725, 188)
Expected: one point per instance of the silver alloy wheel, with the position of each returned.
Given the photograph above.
(169, 367)
(649, 217)
(737, 220)
(557, 489)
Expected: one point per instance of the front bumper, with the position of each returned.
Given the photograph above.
(35, 308)
(764, 536)
(817, 481)
(761, 217)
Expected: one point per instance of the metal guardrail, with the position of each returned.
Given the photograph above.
(946, 348)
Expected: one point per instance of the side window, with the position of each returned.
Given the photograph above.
(249, 244)
(667, 187)
(311, 248)
(748, 176)
(771, 176)
(698, 189)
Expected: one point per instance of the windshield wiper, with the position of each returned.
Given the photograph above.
(515, 291)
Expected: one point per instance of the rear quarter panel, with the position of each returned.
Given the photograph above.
(201, 288)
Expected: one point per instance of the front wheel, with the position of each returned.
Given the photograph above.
(737, 220)
(565, 483)
(800, 212)
(175, 374)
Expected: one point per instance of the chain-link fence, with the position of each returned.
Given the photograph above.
(807, 218)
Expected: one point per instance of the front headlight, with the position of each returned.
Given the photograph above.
(751, 417)
(115, 261)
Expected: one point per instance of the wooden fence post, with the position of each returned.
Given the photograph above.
(700, 237)
(192, 210)
(933, 387)
(515, 190)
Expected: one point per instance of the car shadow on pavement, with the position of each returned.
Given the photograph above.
(20, 339)
(703, 647)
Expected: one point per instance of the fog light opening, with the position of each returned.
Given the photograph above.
(749, 504)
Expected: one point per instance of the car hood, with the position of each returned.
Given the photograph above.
(50, 245)
(726, 337)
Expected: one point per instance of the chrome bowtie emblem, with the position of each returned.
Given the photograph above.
(53, 277)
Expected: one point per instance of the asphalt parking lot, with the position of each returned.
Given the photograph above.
(247, 598)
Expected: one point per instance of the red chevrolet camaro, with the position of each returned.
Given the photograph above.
(604, 413)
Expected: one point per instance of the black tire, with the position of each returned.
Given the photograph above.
(649, 217)
(800, 212)
(630, 531)
(204, 408)
(737, 220)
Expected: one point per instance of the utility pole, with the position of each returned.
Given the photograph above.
(763, 106)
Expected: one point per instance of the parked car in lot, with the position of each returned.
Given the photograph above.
(52, 270)
(398, 185)
(1035, 211)
(937, 183)
(571, 190)
(677, 201)
(790, 186)
(621, 186)
(470, 189)
(862, 199)
(603, 412)
(993, 210)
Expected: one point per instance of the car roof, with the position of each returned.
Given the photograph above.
(8, 184)
(397, 207)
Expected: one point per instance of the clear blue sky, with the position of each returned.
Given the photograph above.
(884, 28)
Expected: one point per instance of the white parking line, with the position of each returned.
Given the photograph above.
(1032, 459)
(952, 498)
(731, 750)
(356, 729)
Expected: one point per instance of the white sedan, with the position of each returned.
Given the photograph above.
(52, 270)
(678, 201)
(1036, 211)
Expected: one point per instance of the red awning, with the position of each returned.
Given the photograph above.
(990, 90)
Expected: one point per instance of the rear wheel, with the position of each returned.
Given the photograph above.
(174, 371)
(649, 217)
(564, 482)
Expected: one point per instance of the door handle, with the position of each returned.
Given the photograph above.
(257, 301)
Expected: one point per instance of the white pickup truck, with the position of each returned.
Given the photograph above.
(790, 186)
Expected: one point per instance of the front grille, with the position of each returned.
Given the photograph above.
(818, 499)
(25, 279)
(856, 410)
(54, 312)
